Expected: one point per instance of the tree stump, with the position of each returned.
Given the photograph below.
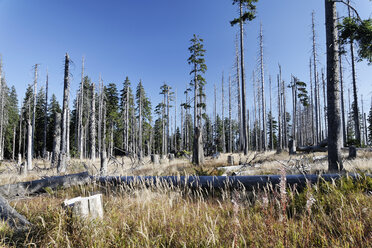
(155, 158)
(292, 147)
(230, 159)
(23, 169)
(171, 157)
(352, 152)
(86, 207)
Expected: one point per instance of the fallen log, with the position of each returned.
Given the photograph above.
(11, 216)
(312, 149)
(39, 186)
(215, 182)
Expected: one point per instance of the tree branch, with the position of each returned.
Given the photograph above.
(351, 7)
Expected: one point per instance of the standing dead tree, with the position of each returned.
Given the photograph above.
(93, 125)
(62, 161)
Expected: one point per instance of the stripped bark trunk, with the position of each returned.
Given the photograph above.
(103, 169)
(56, 139)
(223, 118)
(280, 141)
(61, 167)
(333, 91)
(34, 114)
(264, 136)
(230, 124)
(45, 118)
(93, 125)
(317, 119)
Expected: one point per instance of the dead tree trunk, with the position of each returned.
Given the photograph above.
(93, 125)
(56, 139)
(264, 136)
(280, 141)
(223, 118)
(140, 126)
(45, 118)
(103, 169)
(333, 91)
(317, 119)
(230, 124)
(271, 121)
(342, 103)
(241, 142)
(29, 138)
(10, 215)
(61, 167)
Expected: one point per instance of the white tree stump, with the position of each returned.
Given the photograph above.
(155, 158)
(86, 207)
(171, 156)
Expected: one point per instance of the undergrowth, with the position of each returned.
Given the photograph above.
(328, 214)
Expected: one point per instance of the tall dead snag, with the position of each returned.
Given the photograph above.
(103, 169)
(29, 138)
(93, 125)
(45, 118)
(280, 141)
(223, 118)
(333, 90)
(80, 113)
(56, 139)
(230, 125)
(292, 149)
(62, 166)
(241, 142)
(271, 121)
(264, 138)
(34, 113)
(317, 119)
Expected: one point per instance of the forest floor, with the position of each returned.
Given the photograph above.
(335, 214)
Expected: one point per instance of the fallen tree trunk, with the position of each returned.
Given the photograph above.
(11, 216)
(215, 182)
(312, 149)
(38, 186)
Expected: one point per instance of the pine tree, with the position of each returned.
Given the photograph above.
(144, 118)
(126, 106)
(13, 118)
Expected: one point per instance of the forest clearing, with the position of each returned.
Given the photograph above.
(170, 133)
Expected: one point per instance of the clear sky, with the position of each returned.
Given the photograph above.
(148, 40)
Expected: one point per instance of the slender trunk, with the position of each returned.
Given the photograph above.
(312, 106)
(294, 120)
(245, 131)
(103, 169)
(317, 138)
(61, 168)
(20, 133)
(81, 108)
(175, 122)
(29, 139)
(93, 125)
(342, 103)
(255, 128)
(33, 114)
(100, 118)
(280, 144)
(264, 138)
(325, 106)
(45, 118)
(223, 118)
(333, 91)
(14, 142)
(241, 143)
(140, 127)
(271, 121)
(230, 125)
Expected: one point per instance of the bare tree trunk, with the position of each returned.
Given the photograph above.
(317, 119)
(34, 114)
(56, 139)
(61, 167)
(294, 98)
(100, 103)
(325, 106)
(93, 125)
(255, 128)
(140, 156)
(313, 132)
(103, 169)
(29, 139)
(175, 122)
(245, 131)
(230, 125)
(264, 138)
(14, 142)
(271, 121)
(81, 108)
(45, 118)
(342, 103)
(20, 133)
(241, 142)
(198, 153)
(280, 141)
(223, 118)
(333, 91)
(215, 119)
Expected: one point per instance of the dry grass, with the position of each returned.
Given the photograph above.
(323, 216)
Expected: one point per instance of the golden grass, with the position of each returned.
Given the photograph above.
(323, 216)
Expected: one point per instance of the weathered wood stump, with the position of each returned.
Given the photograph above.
(155, 158)
(22, 169)
(230, 159)
(86, 207)
(292, 147)
(163, 159)
(352, 152)
(171, 157)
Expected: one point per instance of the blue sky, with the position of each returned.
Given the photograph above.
(148, 40)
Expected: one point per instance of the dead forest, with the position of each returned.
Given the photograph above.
(107, 134)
